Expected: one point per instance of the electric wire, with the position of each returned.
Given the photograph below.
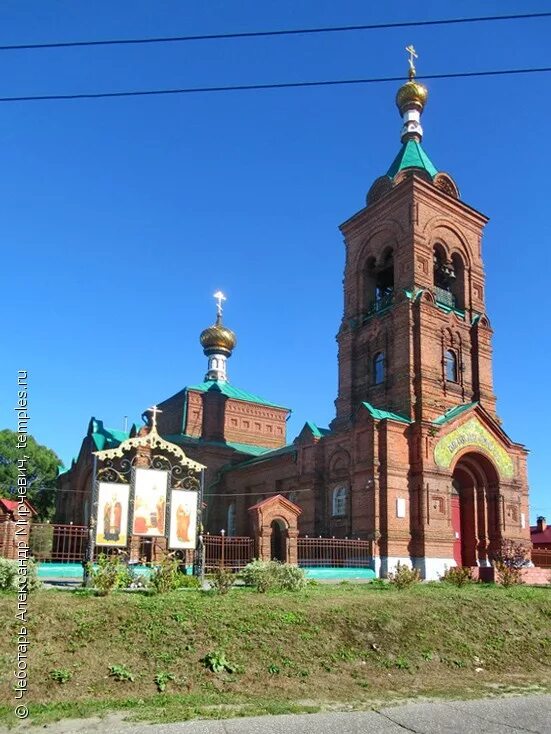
(273, 33)
(268, 86)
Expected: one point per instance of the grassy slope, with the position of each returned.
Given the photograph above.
(346, 644)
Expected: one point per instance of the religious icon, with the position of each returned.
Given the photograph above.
(150, 486)
(183, 519)
(112, 518)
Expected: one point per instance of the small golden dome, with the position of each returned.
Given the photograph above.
(218, 338)
(411, 93)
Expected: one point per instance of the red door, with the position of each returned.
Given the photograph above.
(456, 529)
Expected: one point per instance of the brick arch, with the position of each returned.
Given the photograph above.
(276, 508)
(387, 235)
(439, 230)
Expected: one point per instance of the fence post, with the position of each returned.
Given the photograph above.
(222, 533)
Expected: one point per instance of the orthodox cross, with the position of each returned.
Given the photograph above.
(412, 55)
(154, 410)
(219, 298)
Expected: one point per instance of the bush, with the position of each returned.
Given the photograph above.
(9, 575)
(112, 573)
(41, 541)
(167, 576)
(222, 580)
(508, 562)
(457, 575)
(404, 576)
(271, 575)
(290, 578)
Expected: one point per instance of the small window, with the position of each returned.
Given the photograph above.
(450, 365)
(339, 501)
(379, 368)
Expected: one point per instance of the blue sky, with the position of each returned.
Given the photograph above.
(120, 218)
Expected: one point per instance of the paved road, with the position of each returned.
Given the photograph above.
(490, 716)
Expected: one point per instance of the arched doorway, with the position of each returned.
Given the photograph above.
(474, 510)
(278, 541)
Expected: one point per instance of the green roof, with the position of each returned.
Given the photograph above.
(243, 448)
(265, 456)
(233, 392)
(385, 414)
(316, 430)
(106, 438)
(453, 413)
(411, 155)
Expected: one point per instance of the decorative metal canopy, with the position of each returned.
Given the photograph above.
(153, 441)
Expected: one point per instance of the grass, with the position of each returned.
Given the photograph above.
(189, 654)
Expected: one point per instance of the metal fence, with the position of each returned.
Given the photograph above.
(541, 557)
(233, 552)
(334, 552)
(62, 543)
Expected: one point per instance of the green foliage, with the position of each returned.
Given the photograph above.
(217, 662)
(508, 562)
(222, 580)
(121, 673)
(290, 578)
(404, 576)
(9, 575)
(457, 575)
(271, 575)
(61, 675)
(112, 572)
(41, 541)
(167, 576)
(161, 681)
(41, 472)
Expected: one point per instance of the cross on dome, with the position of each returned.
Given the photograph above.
(412, 55)
(219, 297)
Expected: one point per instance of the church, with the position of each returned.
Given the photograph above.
(415, 459)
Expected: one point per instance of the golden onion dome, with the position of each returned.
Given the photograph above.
(412, 94)
(218, 338)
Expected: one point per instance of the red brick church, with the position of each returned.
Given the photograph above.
(416, 459)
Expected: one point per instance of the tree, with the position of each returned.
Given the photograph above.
(41, 472)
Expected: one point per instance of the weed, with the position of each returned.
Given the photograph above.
(457, 575)
(217, 662)
(121, 673)
(404, 576)
(222, 580)
(61, 675)
(273, 670)
(161, 680)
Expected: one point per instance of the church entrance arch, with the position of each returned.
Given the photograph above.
(474, 510)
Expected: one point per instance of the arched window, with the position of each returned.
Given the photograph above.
(450, 365)
(339, 501)
(379, 368)
(231, 519)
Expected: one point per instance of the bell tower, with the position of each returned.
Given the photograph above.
(414, 338)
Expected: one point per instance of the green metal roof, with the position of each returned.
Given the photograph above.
(233, 392)
(243, 448)
(106, 438)
(453, 413)
(385, 414)
(411, 155)
(265, 456)
(316, 430)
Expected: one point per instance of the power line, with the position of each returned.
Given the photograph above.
(260, 87)
(265, 34)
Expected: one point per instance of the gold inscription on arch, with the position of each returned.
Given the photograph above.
(472, 434)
